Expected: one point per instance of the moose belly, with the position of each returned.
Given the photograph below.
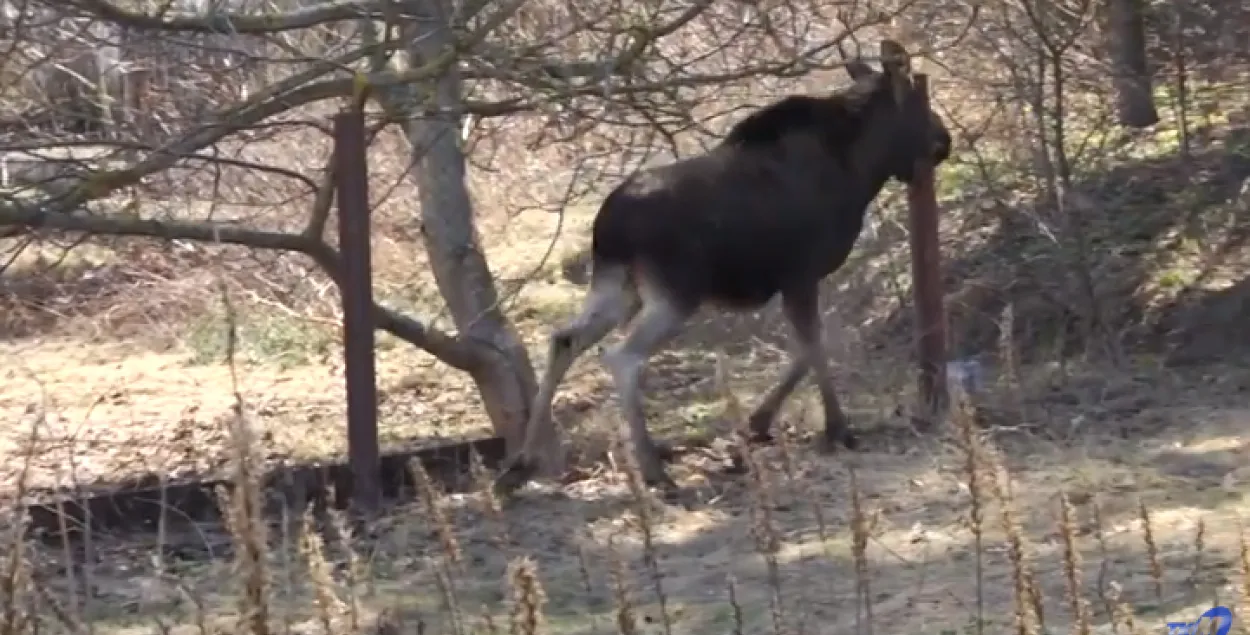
(739, 289)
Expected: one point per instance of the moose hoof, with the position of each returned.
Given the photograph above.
(664, 451)
(760, 437)
(663, 482)
(679, 497)
(759, 430)
(827, 444)
(658, 477)
(850, 441)
(520, 472)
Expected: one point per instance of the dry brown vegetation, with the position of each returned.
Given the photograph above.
(1095, 484)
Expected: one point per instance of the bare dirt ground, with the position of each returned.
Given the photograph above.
(113, 412)
(113, 409)
(1175, 442)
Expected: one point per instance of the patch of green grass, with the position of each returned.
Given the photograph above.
(546, 303)
(262, 338)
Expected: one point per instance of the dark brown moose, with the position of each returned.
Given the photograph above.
(773, 209)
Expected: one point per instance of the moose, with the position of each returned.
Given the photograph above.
(772, 210)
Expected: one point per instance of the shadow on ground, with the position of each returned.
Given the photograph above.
(921, 558)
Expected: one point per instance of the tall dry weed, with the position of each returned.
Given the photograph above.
(528, 597)
(643, 506)
(15, 583)
(329, 608)
(973, 474)
(1072, 565)
(763, 525)
(243, 505)
(1152, 548)
(618, 571)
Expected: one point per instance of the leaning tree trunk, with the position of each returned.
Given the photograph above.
(1126, 42)
(508, 382)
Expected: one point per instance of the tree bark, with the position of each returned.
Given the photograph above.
(1126, 42)
(507, 383)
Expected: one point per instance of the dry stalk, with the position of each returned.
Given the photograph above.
(447, 588)
(244, 508)
(763, 526)
(1028, 608)
(199, 614)
(52, 605)
(583, 572)
(739, 628)
(646, 523)
(490, 506)
(1072, 565)
(973, 459)
(786, 452)
(528, 597)
(1104, 566)
(1152, 549)
(290, 534)
(67, 550)
(357, 573)
(1199, 548)
(488, 623)
(432, 500)
(1009, 360)
(1123, 615)
(326, 600)
(388, 622)
(1243, 544)
(626, 622)
(859, 552)
(16, 581)
(248, 529)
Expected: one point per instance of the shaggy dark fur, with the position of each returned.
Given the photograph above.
(773, 209)
(780, 202)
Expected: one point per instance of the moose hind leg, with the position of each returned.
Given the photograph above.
(802, 308)
(657, 323)
(610, 301)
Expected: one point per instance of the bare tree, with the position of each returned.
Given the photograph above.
(631, 76)
(1125, 35)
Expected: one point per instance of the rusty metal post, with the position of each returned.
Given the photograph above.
(926, 270)
(355, 287)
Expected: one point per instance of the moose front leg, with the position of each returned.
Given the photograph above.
(760, 422)
(802, 309)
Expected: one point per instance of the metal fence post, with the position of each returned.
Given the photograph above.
(926, 269)
(351, 174)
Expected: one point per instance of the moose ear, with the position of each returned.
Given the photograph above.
(896, 62)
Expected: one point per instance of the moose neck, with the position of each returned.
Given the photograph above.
(874, 161)
(873, 180)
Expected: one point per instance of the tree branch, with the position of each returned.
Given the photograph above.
(457, 352)
(233, 22)
(96, 184)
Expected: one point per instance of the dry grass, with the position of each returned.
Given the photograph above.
(1037, 526)
(1094, 500)
(975, 531)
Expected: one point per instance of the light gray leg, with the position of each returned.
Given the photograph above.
(610, 301)
(802, 309)
(655, 325)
